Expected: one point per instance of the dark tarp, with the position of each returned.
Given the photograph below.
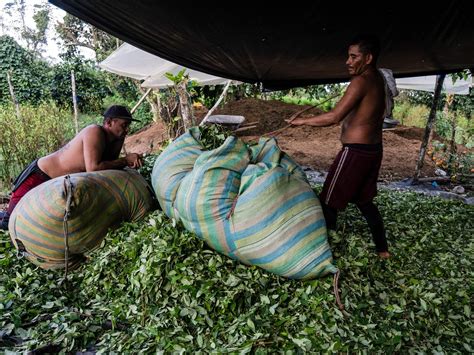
(289, 44)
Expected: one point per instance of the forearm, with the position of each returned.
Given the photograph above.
(109, 164)
(323, 120)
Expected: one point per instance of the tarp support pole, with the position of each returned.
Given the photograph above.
(141, 100)
(224, 92)
(429, 125)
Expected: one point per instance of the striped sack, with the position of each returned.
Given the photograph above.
(252, 204)
(98, 201)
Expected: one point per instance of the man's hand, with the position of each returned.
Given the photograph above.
(134, 160)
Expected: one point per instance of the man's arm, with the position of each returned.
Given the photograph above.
(351, 98)
(93, 149)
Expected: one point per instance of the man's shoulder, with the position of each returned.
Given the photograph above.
(93, 129)
(367, 80)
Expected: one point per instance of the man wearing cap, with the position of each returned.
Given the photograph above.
(96, 147)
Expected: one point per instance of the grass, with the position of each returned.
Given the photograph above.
(154, 286)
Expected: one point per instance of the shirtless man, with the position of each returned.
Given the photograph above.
(353, 174)
(94, 148)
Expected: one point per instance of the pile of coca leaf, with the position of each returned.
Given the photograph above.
(153, 287)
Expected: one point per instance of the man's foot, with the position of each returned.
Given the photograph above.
(384, 254)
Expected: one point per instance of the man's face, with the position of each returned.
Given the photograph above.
(357, 61)
(119, 127)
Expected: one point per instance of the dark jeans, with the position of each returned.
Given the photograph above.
(4, 217)
(372, 216)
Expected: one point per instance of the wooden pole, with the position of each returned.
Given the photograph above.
(429, 126)
(141, 100)
(12, 94)
(224, 92)
(74, 101)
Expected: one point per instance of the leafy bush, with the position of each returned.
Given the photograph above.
(41, 130)
(155, 287)
(323, 96)
(411, 115)
(28, 74)
(91, 88)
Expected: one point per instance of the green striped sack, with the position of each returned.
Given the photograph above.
(99, 201)
(254, 205)
(171, 167)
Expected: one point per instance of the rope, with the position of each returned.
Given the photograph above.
(336, 290)
(68, 190)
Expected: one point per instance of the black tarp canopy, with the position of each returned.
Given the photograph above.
(288, 44)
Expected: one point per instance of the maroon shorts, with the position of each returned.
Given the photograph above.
(31, 177)
(353, 176)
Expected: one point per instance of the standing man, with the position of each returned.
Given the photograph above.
(96, 147)
(353, 174)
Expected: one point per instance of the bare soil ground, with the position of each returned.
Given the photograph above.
(309, 146)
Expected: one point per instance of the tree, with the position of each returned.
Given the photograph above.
(76, 33)
(90, 83)
(35, 38)
(28, 73)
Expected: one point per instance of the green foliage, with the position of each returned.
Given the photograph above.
(42, 130)
(147, 167)
(209, 94)
(455, 163)
(323, 96)
(213, 136)
(76, 33)
(28, 74)
(34, 37)
(409, 114)
(91, 88)
(155, 287)
(176, 79)
(462, 103)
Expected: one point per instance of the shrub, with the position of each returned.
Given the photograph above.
(91, 88)
(28, 74)
(41, 130)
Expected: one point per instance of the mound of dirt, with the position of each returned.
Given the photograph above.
(309, 146)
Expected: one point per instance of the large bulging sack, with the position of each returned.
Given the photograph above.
(171, 167)
(98, 201)
(252, 204)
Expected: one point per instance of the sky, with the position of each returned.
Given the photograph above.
(51, 51)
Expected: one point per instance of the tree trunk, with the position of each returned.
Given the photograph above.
(12, 94)
(429, 126)
(185, 105)
(452, 146)
(74, 101)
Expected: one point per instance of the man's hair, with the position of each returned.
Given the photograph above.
(367, 43)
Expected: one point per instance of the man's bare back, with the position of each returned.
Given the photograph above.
(94, 148)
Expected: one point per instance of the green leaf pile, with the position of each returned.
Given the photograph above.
(155, 287)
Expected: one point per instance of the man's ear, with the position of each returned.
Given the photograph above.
(369, 58)
(108, 122)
